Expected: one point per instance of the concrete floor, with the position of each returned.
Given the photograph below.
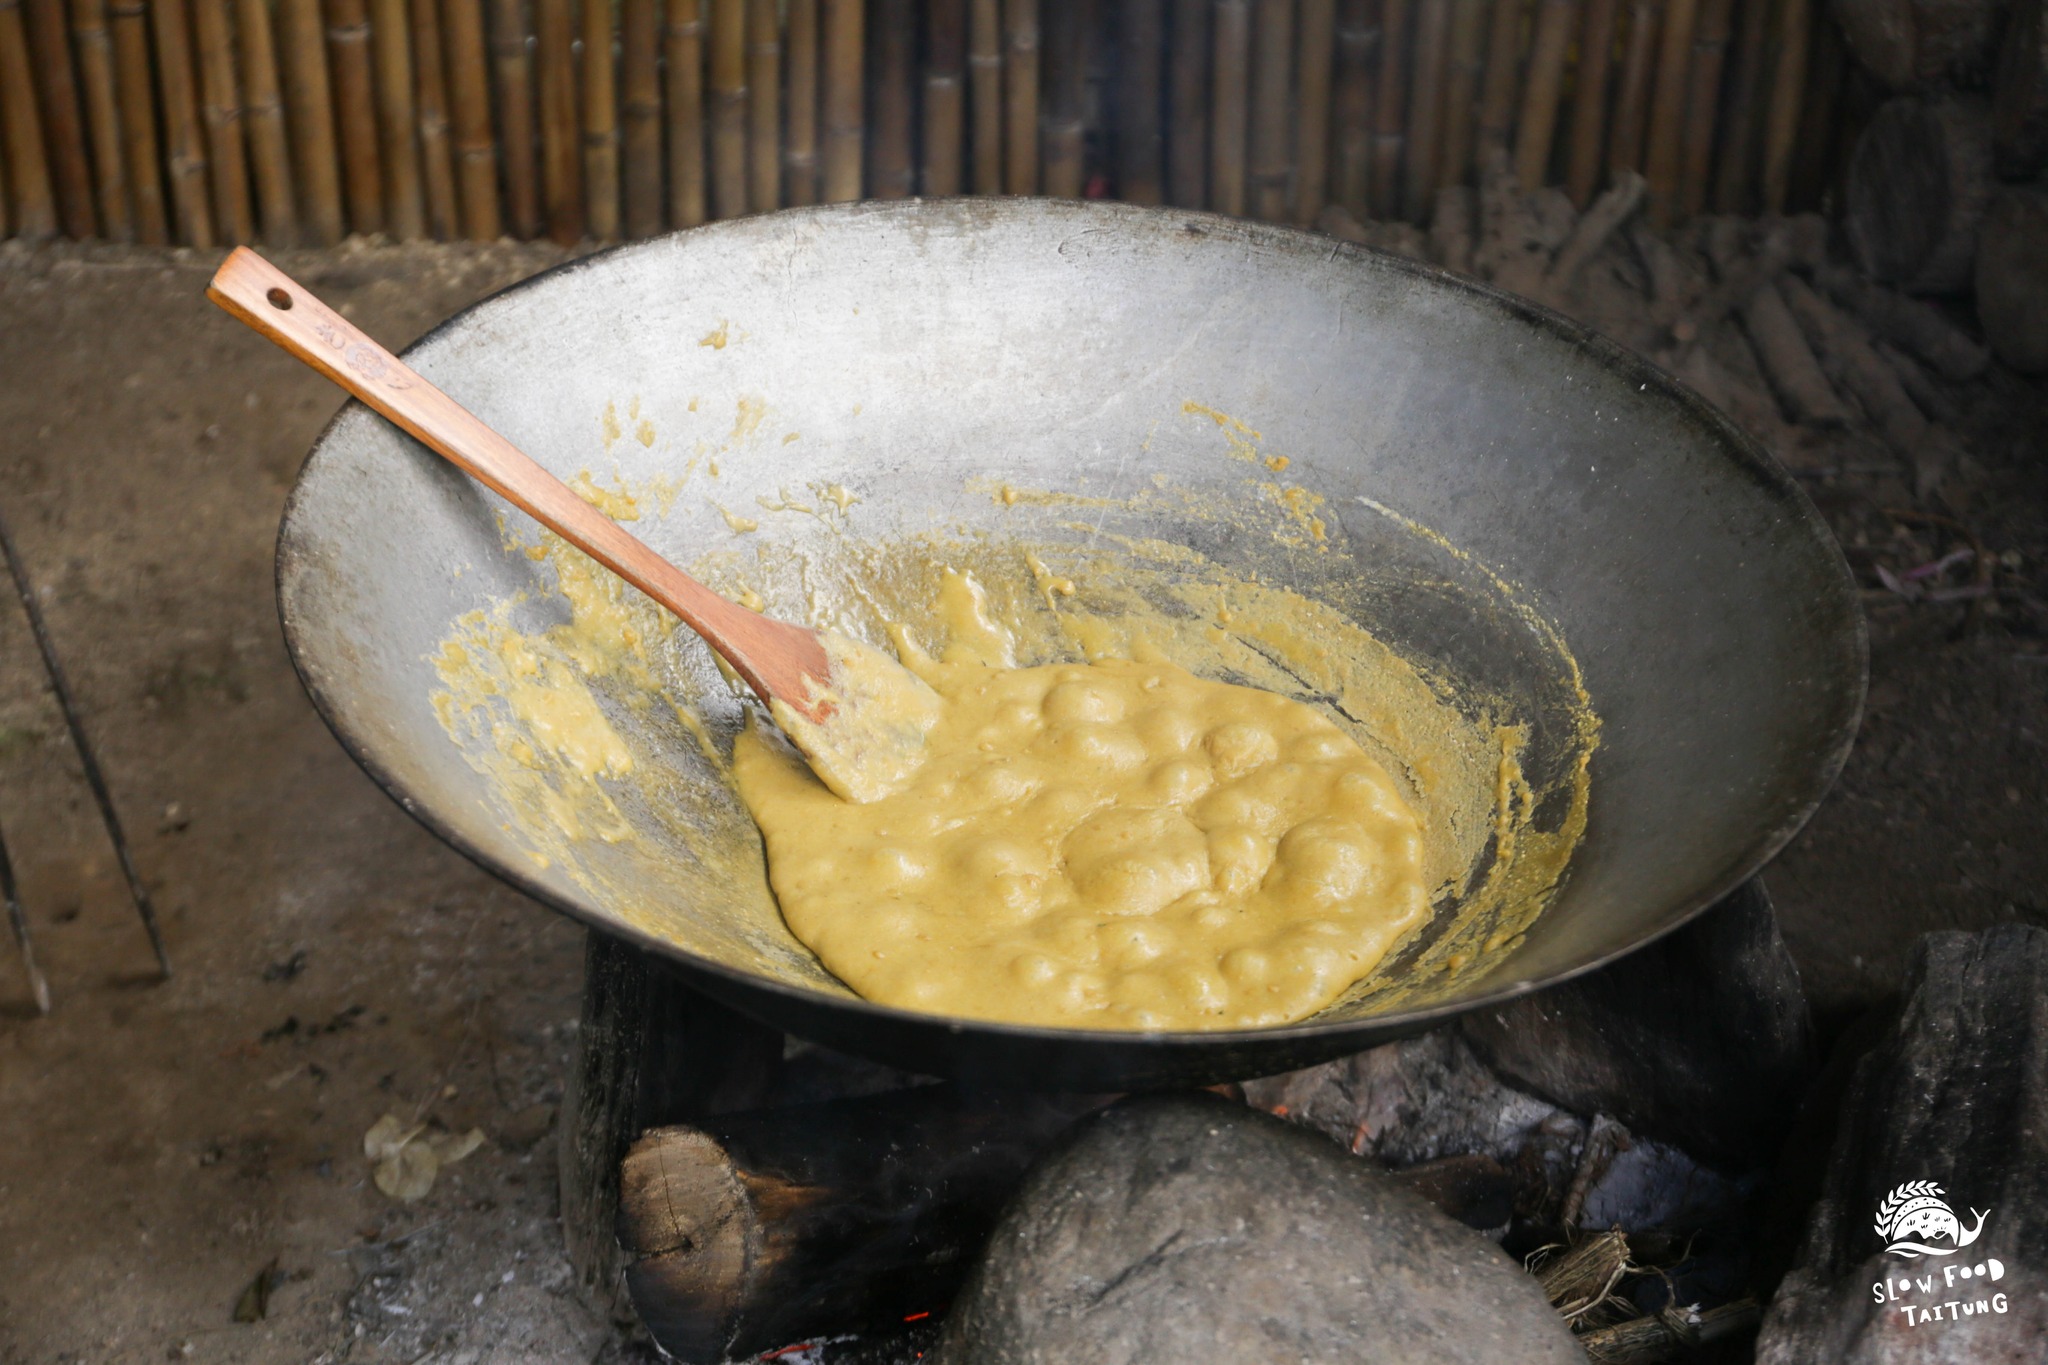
(162, 1145)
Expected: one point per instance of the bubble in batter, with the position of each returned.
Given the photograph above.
(1109, 845)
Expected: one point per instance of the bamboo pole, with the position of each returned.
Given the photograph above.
(1020, 96)
(1187, 105)
(1632, 99)
(1358, 39)
(184, 148)
(270, 154)
(362, 169)
(1141, 98)
(728, 86)
(1426, 108)
(1820, 117)
(764, 104)
(1064, 132)
(1781, 117)
(1589, 100)
(222, 111)
(475, 149)
(430, 94)
(63, 121)
(800, 137)
(1230, 73)
(945, 95)
(1536, 129)
(1269, 145)
(892, 168)
(140, 153)
(35, 204)
(1497, 98)
(1742, 110)
(985, 95)
(1464, 73)
(839, 101)
(1390, 106)
(1702, 105)
(398, 128)
(640, 110)
(600, 123)
(683, 58)
(512, 69)
(1661, 162)
(103, 116)
(561, 169)
(1314, 61)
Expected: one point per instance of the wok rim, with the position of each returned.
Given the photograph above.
(1852, 653)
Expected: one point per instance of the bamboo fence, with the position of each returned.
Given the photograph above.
(294, 122)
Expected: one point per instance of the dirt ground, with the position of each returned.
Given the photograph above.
(164, 1146)
(1938, 819)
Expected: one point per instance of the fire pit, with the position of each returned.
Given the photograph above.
(740, 1194)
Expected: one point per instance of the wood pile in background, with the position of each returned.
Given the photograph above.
(294, 122)
(1965, 127)
(1830, 371)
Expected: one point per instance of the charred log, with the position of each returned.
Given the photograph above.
(753, 1230)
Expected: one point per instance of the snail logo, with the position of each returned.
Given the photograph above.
(1916, 1210)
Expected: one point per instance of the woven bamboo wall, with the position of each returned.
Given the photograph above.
(292, 122)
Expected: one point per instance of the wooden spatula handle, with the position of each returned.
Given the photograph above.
(280, 308)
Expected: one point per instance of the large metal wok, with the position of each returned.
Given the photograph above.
(1465, 443)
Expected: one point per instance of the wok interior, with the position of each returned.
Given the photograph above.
(1504, 504)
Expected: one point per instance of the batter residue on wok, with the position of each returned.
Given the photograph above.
(1112, 844)
(607, 741)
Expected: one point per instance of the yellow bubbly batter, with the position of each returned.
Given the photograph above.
(1108, 845)
(608, 741)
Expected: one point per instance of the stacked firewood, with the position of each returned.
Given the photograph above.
(1825, 367)
(1947, 189)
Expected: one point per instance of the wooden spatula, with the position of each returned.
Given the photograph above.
(857, 715)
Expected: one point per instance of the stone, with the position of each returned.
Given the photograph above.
(1701, 1039)
(1946, 1117)
(1189, 1229)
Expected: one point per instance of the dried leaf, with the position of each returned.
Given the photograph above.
(408, 1173)
(452, 1147)
(405, 1160)
(386, 1136)
(254, 1304)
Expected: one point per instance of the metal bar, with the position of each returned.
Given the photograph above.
(86, 759)
(12, 895)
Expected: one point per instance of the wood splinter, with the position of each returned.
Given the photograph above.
(1749, 287)
(1594, 230)
(1855, 365)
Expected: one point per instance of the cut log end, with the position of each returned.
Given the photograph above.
(2019, 94)
(2012, 277)
(1918, 183)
